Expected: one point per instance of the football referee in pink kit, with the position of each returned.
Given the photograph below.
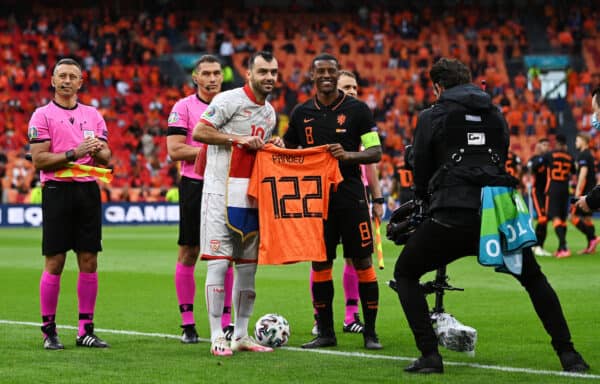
(68, 139)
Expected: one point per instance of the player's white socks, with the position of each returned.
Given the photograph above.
(243, 298)
(215, 294)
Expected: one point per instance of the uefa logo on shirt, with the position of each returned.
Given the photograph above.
(173, 117)
(33, 133)
(209, 112)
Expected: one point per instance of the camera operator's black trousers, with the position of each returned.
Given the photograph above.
(434, 245)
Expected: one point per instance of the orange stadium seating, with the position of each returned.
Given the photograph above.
(390, 53)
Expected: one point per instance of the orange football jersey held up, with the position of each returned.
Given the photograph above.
(292, 188)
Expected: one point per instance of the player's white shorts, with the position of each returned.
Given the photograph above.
(217, 241)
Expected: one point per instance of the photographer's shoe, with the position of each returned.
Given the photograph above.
(572, 361)
(431, 363)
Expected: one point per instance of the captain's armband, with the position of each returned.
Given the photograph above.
(370, 139)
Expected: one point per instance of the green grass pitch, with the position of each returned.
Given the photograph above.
(137, 294)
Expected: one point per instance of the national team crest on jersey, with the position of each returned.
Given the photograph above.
(341, 119)
(215, 245)
(33, 133)
(173, 117)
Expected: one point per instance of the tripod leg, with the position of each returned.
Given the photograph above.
(440, 282)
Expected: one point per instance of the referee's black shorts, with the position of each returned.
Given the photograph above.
(353, 227)
(190, 202)
(72, 217)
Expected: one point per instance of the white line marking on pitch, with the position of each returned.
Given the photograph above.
(337, 353)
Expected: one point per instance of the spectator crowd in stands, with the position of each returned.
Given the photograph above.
(390, 51)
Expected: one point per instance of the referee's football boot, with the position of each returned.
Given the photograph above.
(431, 363)
(228, 332)
(189, 334)
(354, 327)
(51, 340)
(324, 339)
(89, 339)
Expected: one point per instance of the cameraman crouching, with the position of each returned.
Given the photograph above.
(460, 146)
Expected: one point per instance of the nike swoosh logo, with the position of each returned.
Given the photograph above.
(308, 120)
(365, 243)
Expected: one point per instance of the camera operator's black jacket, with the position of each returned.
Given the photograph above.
(461, 144)
(593, 198)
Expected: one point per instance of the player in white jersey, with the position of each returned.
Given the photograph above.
(236, 123)
(208, 77)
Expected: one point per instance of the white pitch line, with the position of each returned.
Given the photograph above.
(337, 353)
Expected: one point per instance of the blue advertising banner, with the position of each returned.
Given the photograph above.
(21, 215)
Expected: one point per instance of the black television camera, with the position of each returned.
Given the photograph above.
(404, 221)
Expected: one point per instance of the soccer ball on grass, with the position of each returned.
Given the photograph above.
(272, 330)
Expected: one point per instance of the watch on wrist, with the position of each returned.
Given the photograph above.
(70, 155)
(379, 200)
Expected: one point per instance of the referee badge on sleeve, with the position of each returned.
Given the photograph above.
(173, 117)
(32, 133)
(88, 133)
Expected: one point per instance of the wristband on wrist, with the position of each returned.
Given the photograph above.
(70, 155)
(379, 200)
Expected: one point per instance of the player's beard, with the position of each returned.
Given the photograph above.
(258, 87)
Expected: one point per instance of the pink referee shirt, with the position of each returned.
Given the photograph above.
(66, 129)
(183, 118)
